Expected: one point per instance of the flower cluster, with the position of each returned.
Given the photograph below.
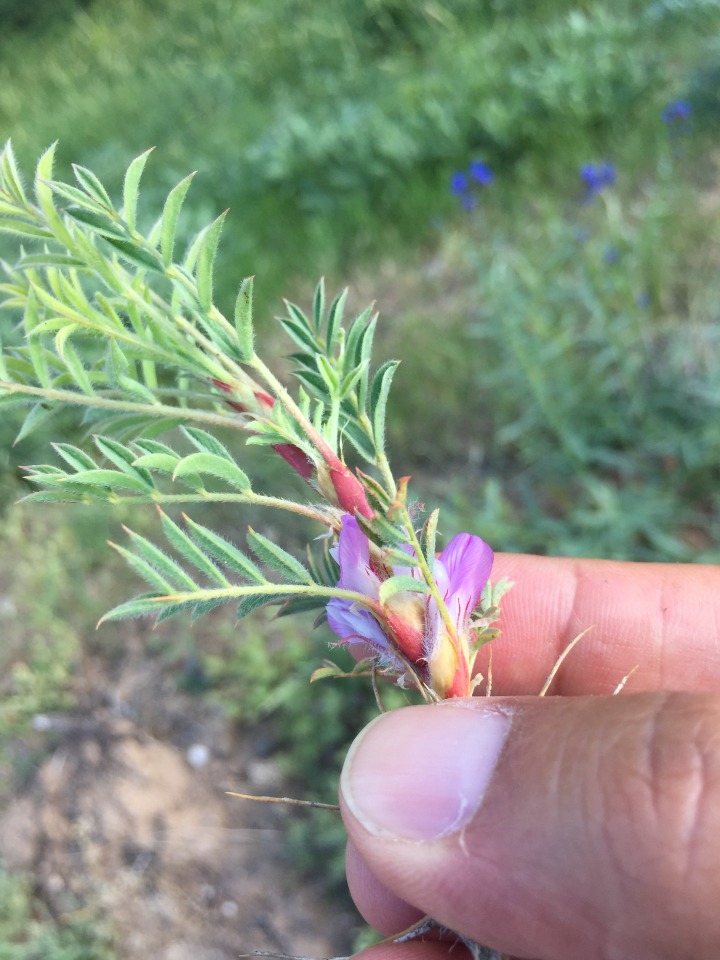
(429, 634)
(465, 183)
(597, 176)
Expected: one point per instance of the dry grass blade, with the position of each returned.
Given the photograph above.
(291, 801)
(558, 663)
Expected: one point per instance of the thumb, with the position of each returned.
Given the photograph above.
(559, 828)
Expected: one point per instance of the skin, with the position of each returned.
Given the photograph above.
(609, 846)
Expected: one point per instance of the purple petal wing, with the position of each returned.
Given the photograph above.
(462, 571)
(354, 624)
(353, 555)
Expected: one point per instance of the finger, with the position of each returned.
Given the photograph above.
(662, 618)
(379, 906)
(553, 828)
(410, 951)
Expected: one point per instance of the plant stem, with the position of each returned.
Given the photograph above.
(104, 403)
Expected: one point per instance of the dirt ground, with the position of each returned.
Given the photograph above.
(127, 818)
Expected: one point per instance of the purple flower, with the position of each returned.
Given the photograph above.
(481, 173)
(458, 183)
(676, 111)
(461, 572)
(596, 176)
(468, 201)
(410, 627)
(611, 255)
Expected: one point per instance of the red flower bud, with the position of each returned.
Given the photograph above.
(349, 491)
(297, 459)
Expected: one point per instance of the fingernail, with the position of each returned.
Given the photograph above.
(421, 773)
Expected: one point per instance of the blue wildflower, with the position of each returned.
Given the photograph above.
(611, 255)
(481, 172)
(458, 183)
(464, 184)
(596, 176)
(676, 111)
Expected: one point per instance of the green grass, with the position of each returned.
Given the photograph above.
(28, 930)
(333, 140)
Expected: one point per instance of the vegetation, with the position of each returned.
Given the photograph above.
(558, 338)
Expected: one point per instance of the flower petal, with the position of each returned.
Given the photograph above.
(353, 555)
(354, 624)
(462, 571)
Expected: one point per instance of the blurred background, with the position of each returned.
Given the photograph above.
(531, 194)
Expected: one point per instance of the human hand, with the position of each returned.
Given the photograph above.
(566, 828)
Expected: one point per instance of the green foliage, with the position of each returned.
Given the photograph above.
(28, 930)
(328, 139)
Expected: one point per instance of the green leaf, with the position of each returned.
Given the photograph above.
(11, 179)
(92, 185)
(300, 604)
(330, 670)
(350, 379)
(170, 215)
(274, 556)
(335, 316)
(154, 446)
(328, 374)
(313, 381)
(215, 466)
(244, 320)
(383, 532)
(319, 304)
(109, 478)
(36, 417)
(99, 222)
(77, 458)
(366, 342)
(75, 367)
(44, 194)
(68, 192)
(141, 606)
(23, 228)
(248, 604)
(378, 401)
(359, 439)
(162, 462)
(353, 341)
(49, 259)
(188, 549)
(224, 552)
(131, 187)
(161, 562)
(207, 443)
(148, 571)
(429, 536)
(135, 254)
(206, 261)
(300, 334)
(400, 584)
(53, 496)
(376, 494)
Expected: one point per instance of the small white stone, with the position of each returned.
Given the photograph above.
(229, 909)
(41, 722)
(198, 755)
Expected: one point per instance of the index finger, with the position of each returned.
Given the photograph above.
(662, 618)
